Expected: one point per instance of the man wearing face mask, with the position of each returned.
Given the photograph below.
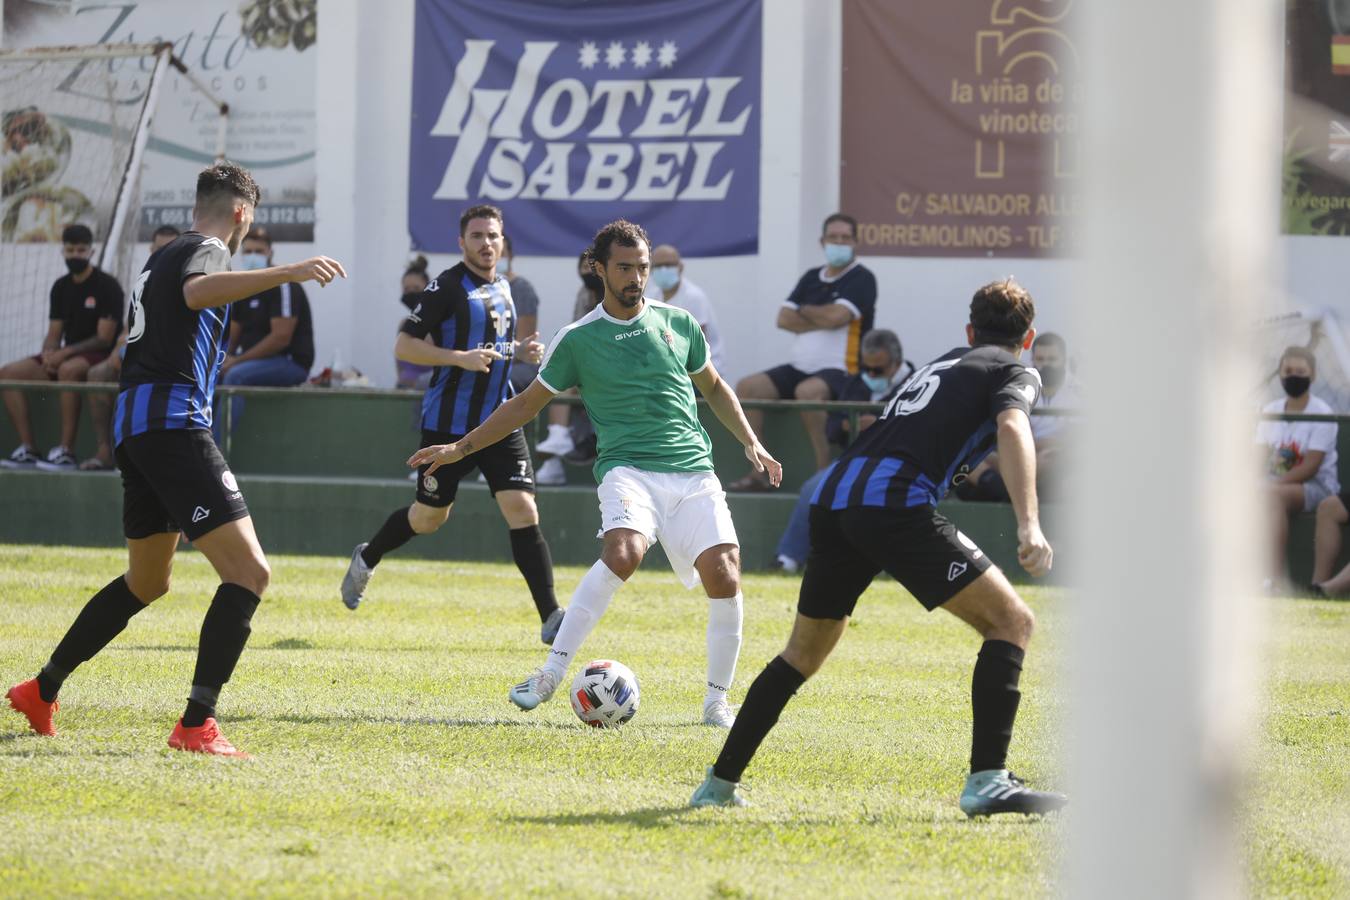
(829, 311)
(272, 334)
(884, 371)
(560, 440)
(677, 290)
(85, 316)
(1301, 466)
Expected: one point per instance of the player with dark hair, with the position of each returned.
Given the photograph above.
(469, 314)
(876, 511)
(173, 476)
(636, 362)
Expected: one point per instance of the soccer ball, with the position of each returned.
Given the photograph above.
(604, 694)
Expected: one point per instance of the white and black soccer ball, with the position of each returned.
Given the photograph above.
(604, 694)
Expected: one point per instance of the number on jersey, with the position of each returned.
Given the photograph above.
(136, 318)
(919, 390)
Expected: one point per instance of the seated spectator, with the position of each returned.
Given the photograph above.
(415, 281)
(1050, 357)
(109, 372)
(272, 334)
(85, 315)
(526, 301)
(884, 371)
(1301, 465)
(569, 435)
(668, 277)
(829, 311)
(1332, 515)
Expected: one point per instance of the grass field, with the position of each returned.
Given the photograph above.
(388, 759)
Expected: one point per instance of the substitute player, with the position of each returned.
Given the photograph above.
(875, 511)
(636, 362)
(173, 476)
(469, 314)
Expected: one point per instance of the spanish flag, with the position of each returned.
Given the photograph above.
(1340, 54)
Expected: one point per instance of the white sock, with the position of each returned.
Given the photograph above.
(556, 430)
(724, 645)
(589, 602)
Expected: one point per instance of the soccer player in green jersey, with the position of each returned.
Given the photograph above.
(636, 362)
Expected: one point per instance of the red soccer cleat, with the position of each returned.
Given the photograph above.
(24, 698)
(206, 738)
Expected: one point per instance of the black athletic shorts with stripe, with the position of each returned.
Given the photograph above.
(918, 547)
(506, 466)
(176, 481)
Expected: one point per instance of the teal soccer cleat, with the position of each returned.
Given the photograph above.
(715, 791)
(1000, 791)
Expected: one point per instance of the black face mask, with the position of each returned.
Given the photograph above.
(594, 283)
(1296, 385)
(410, 300)
(1052, 376)
(76, 264)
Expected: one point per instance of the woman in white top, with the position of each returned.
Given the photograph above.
(1301, 465)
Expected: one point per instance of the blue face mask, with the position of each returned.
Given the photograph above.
(666, 277)
(876, 383)
(250, 261)
(838, 255)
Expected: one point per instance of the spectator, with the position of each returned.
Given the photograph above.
(829, 311)
(1301, 465)
(1050, 358)
(415, 281)
(560, 440)
(526, 301)
(1332, 515)
(108, 372)
(272, 334)
(668, 276)
(85, 314)
(884, 371)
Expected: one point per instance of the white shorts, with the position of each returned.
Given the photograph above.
(686, 511)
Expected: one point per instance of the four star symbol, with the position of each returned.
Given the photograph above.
(588, 55)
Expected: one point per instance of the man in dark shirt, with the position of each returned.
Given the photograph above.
(876, 511)
(829, 311)
(272, 334)
(83, 321)
(174, 479)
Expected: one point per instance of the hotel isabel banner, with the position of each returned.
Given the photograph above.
(960, 127)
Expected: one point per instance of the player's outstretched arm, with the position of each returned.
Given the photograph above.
(1017, 465)
(508, 417)
(724, 403)
(419, 352)
(220, 288)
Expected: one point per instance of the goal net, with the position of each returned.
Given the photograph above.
(74, 125)
(1318, 330)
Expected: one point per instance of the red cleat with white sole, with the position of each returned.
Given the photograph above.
(25, 698)
(205, 738)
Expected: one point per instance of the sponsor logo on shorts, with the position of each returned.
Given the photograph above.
(199, 513)
(956, 570)
(626, 515)
(522, 476)
(430, 484)
(227, 479)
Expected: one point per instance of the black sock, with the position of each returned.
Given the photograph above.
(101, 620)
(530, 551)
(758, 714)
(394, 533)
(993, 699)
(225, 631)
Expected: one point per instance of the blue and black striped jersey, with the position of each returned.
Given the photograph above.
(462, 311)
(173, 352)
(932, 433)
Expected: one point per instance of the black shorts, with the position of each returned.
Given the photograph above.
(506, 466)
(176, 481)
(919, 547)
(785, 379)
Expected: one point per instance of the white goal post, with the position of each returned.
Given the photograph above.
(75, 126)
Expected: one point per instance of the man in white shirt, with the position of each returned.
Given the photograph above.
(668, 275)
(1301, 465)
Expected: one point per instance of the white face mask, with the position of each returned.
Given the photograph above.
(666, 277)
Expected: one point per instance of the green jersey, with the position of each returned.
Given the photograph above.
(634, 381)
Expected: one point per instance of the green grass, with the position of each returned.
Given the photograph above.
(388, 759)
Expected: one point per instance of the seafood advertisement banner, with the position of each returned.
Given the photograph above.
(256, 55)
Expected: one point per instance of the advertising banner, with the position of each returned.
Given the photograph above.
(256, 55)
(1316, 176)
(568, 114)
(960, 126)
